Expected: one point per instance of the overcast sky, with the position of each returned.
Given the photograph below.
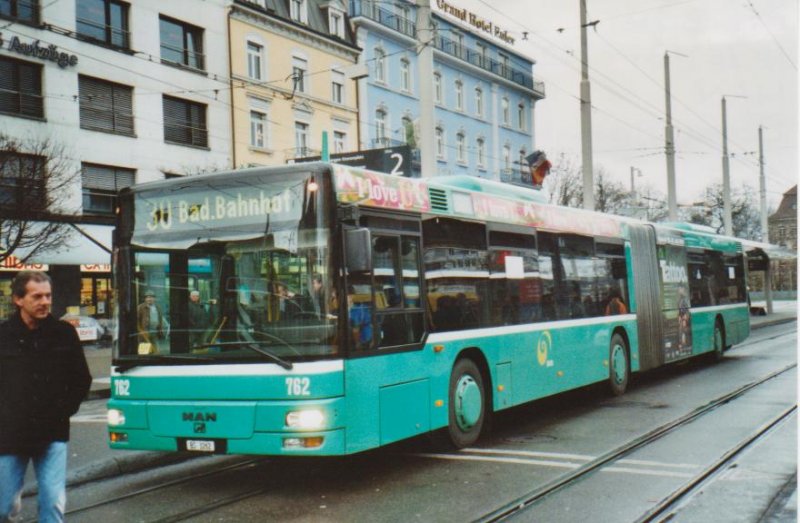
(732, 47)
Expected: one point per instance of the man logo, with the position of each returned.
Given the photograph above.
(199, 416)
(199, 427)
(543, 347)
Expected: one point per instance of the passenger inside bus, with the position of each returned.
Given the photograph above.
(615, 304)
(360, 312)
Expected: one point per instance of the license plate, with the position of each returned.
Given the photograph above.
(200, 445)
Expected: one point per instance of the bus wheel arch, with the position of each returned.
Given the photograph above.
(469, 398)
(619, 362)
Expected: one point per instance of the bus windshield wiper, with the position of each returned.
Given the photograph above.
(159, 358)
(254, 346)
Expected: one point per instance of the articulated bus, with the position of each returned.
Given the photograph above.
(319, 309)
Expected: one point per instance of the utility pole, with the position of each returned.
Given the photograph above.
(427, 123)
(586, 116)
(727, 218)
(763, 186)
(669, 135)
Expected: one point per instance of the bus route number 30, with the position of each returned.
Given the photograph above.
(298, 386)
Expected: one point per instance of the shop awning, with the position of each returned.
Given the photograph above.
(87, 245)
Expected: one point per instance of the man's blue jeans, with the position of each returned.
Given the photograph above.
(51, 470)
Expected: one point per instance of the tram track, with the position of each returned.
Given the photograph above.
(665, 509)
(538, 494)
(158, 487)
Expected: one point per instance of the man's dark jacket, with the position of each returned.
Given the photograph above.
(43, 379)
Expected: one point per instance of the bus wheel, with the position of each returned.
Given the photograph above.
(719, 341)
(619, 369)
(467, 411)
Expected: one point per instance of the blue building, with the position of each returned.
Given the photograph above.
(458, 93)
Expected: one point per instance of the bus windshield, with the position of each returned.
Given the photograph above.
(235, 285)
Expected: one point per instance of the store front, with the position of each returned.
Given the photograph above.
(80, 270)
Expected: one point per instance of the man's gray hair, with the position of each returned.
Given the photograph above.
(20, 282)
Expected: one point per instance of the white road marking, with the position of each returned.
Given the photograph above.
(563, 460)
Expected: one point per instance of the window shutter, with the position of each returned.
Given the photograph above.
(106, 178)
(105, 106)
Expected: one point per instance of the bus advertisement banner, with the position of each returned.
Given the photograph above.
(675, 301)
(379, 190)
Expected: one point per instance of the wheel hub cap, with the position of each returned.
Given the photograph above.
(618, 363)
(468, 402)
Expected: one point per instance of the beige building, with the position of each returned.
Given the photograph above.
(289, 80)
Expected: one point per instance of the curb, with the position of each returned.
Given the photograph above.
(127, 462)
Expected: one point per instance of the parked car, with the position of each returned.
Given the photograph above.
(88, 328)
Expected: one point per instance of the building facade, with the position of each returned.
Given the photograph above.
(129, 92)
(464, 100)
(782, 226)
(289, 80)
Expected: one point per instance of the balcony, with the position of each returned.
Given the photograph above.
(383, 142)
(295, 153)
(516, 176)
(371, 9)
(471, 56)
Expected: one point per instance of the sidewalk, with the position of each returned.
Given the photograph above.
(91, 459)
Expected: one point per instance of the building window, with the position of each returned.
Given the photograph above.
(101, 184)
(339, 142)
(297, 11)
(299, 72)
(258, 129)
(336, 22)
(482, 52)
(185, 122)
(21, 88)
(459, 95)
(301, 139)
(479, 102)
(507, 158)
(437, 87)
(20, 10)
(408, 131)
(337, 87)
(481, 153)
(181, 43)
(440, 143)
(380, 126)
(105, 106)
(380, 65)
(461, 148)
(506, 111)
(521, 116)
(103, 21)
(505, 67)
(405, 75)
(22, 181)
(255, 60)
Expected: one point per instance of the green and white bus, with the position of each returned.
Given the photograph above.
(319, 309)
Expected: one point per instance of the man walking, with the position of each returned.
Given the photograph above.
(43, 379)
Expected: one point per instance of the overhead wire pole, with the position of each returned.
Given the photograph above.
(727, 216)
(762, 186)
(669, 136)
(586, 116)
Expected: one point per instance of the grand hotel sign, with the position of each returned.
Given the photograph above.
(36, 49)
(475, 21)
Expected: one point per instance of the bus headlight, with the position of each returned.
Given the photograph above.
(308, 419)
(116, 417)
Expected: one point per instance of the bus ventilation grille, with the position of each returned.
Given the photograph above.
(438, 199)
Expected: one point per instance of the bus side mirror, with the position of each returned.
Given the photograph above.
(358, 250)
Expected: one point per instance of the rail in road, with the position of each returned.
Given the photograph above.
(537, 494)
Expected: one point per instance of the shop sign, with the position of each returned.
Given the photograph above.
(34, 48)
(98, 267)
(12, 263)
(478, 22)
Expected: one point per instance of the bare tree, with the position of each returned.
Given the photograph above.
(564, 184)
(35, 176)
(744, 211)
